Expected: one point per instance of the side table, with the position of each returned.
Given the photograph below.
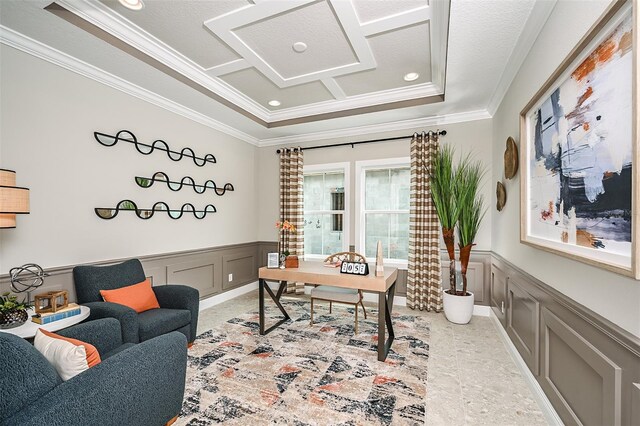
(29, 328)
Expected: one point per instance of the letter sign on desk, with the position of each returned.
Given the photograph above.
(354, 268)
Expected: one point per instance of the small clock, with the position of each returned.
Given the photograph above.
(354, 268)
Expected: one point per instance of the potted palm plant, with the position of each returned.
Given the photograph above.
(455, 194)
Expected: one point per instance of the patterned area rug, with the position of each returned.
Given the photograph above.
(301, 374)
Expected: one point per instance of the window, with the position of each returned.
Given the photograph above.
(325, 209)
(383, 188)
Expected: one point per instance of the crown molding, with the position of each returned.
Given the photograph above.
(104, 18)
(40, 50)
(379, 128)
(537, 18)
(417, 91)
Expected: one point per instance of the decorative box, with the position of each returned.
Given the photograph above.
(51, 301)
(291, 262)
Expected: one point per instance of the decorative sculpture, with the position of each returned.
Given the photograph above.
(160, 206)
(379, 263)
(145, 182)
(145, 149)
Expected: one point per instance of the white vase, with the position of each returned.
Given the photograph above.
(458, 309)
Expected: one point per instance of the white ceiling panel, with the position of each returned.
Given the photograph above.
(397, 53)
(372, 10)
(262, 90)
(315, 25)
(179, 25)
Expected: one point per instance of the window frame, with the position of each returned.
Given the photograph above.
(343, 167)
(361, 168)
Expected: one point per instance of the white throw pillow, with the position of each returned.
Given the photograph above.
(69, 357)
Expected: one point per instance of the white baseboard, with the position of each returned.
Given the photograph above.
(481, 310)
(547, 409)
(227, 295)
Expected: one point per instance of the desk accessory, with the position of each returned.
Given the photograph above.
(273, 260)
(354, 268)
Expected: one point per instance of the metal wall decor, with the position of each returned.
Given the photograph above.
(145, 149)
(145, 182)
(160, 206)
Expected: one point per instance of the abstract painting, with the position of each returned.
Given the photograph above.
(578, 152)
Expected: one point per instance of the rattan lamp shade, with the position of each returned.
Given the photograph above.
(13, 199)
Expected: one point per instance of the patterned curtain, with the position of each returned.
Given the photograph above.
(292, 206)
(424, 290)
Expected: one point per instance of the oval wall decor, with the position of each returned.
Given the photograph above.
(510, 159)
(501, 196)
(145, 149)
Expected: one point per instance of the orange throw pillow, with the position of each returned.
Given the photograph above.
(139, 297)
(69, 357)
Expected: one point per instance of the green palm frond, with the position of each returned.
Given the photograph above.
(444, 180)
(470, 202)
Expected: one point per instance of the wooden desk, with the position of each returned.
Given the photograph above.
(317, 273)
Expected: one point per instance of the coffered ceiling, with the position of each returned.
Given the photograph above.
(274, 69)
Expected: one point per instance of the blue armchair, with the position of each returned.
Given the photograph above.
(133, 385)
(179, 304)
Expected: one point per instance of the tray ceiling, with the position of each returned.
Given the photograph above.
(356, 53)
(171, 59)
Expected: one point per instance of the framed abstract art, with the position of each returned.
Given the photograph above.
(578, 150)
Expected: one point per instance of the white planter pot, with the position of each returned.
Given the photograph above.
(458, 309)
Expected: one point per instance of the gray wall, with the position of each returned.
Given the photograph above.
(610, 295)
(207, 269)
(48, 116)
(588, 367)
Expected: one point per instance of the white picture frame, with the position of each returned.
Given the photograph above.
(273, 260)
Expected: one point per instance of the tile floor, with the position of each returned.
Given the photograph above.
(472, 378)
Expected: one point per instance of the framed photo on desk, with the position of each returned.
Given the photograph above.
(273, 260)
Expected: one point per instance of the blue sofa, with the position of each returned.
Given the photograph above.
(139, 384)
(179, 304)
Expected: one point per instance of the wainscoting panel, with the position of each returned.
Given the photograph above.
(401, 282)
(265, 247)
(201, 269)
(158, 275)
(635, 403)
(243, 265)
(200, 274)
(475, 281)
(498, 293)
(588, 367)
(523, 320)
(583, 381)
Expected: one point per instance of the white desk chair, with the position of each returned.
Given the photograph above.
(349, 296)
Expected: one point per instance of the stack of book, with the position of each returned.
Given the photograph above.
(48, 317)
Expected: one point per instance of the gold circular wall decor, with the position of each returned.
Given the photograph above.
(510, 159)
(501, 196)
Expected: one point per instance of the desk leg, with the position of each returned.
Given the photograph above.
(385, 307)
(276, 298)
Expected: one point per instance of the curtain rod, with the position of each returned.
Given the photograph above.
(441, 133)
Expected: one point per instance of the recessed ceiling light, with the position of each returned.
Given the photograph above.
(299, 46)
(274, 103)
(411, 76)
(132, 4)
